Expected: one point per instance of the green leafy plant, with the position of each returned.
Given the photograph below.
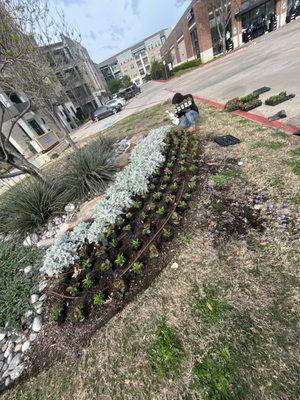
(233, 105)
(87, 282)
(137, 267)
(182, 205)
(193, 169)
(150, 206)
(157, 196)
(167, 234)
(174, 186)
(169, 199)
(175, 218)
(99, 299)
(250, 97)
(170, 165)
(185, 239)
(73, 291)
(182, 170)
(192, 185)
(137, 204)
(120, 222)
(105, 266)
(127, 228)
(86, 264)
(166, 178)
(56, 313)
(161, 211)
(278, 98)
(120, 260)
(143, 216)
(136, 244)
(163, 187)
(119, 285)
(151, 187)
(154, 253)
(186, 196)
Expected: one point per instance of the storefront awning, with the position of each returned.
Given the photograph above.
(249, 5)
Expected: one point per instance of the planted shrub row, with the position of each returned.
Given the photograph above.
(186, 65)
(107, 268)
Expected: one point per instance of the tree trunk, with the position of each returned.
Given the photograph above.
(20, 162)
(63, 129)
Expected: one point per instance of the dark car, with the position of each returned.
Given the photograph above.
(102, 112)
(130, 92)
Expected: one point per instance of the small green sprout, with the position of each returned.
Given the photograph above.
(182, 170)
(157, 196)
(87, 282)
(120, 260)
(143, 216)
(167, 233)
(160, 211)
(150, 206)
(86, 264)
(137, 267)
(192, 185)
(99, 299)
(182, 205)
(56, 313)
(137, 204)
(73, 291)
(79, 314)
(154, 253)
(119, 284)
(136, 244)
(193, 169)
(105, 266)
(174, 186)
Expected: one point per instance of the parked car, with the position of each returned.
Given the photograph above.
(129, 93)
(116, 103)
(102, 112)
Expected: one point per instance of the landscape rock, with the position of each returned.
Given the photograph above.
(69, 208)
(9, 358)
(34, 298)
(2, 336)
(17, 371)
(15, 361)
(9, 350)
(43, 297)
(25, 346)
(27, 269)
(31, 240)
(7, 381)
(42, 286)
(45, 243)
(174, 266)
(18, 348)
(37, 324)
(32, 336)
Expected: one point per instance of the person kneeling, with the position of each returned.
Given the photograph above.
(186, 111)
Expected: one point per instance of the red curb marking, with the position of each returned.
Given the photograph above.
(286, 128)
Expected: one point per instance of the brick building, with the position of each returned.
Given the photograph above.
(196, 33)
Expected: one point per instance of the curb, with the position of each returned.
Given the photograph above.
(259, 119)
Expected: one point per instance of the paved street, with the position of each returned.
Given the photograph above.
(272, 60)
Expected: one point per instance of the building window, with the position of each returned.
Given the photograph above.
(36, 127)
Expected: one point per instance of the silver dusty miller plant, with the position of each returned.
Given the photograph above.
(132, 180)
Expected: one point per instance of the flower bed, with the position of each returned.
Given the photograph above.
(279, 98)
(250, 105)
(111, 262)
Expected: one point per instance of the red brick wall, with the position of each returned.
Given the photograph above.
(187, 39)
(203, 27)
(236, 23)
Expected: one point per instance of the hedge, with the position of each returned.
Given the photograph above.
(186, 65)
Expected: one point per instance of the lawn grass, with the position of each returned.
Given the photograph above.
(223, 325)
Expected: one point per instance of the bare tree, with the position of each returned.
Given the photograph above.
(223, 11)
(25, 25)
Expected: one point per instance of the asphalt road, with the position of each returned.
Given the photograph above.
(272, 60)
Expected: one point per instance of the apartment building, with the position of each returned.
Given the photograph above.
(83, 83)
(35, 131)
(196, 33)
(136, 60)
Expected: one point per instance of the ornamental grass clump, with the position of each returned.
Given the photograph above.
(29, 204)
(90, 169)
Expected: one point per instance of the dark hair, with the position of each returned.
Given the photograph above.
(178, 98)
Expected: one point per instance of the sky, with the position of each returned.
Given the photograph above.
(109, 26)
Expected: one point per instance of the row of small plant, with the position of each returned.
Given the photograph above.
(245, 103)
(109, 266)
(279, 98)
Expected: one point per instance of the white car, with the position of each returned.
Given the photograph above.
(116, 102)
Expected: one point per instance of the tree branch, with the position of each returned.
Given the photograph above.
(12, 175)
